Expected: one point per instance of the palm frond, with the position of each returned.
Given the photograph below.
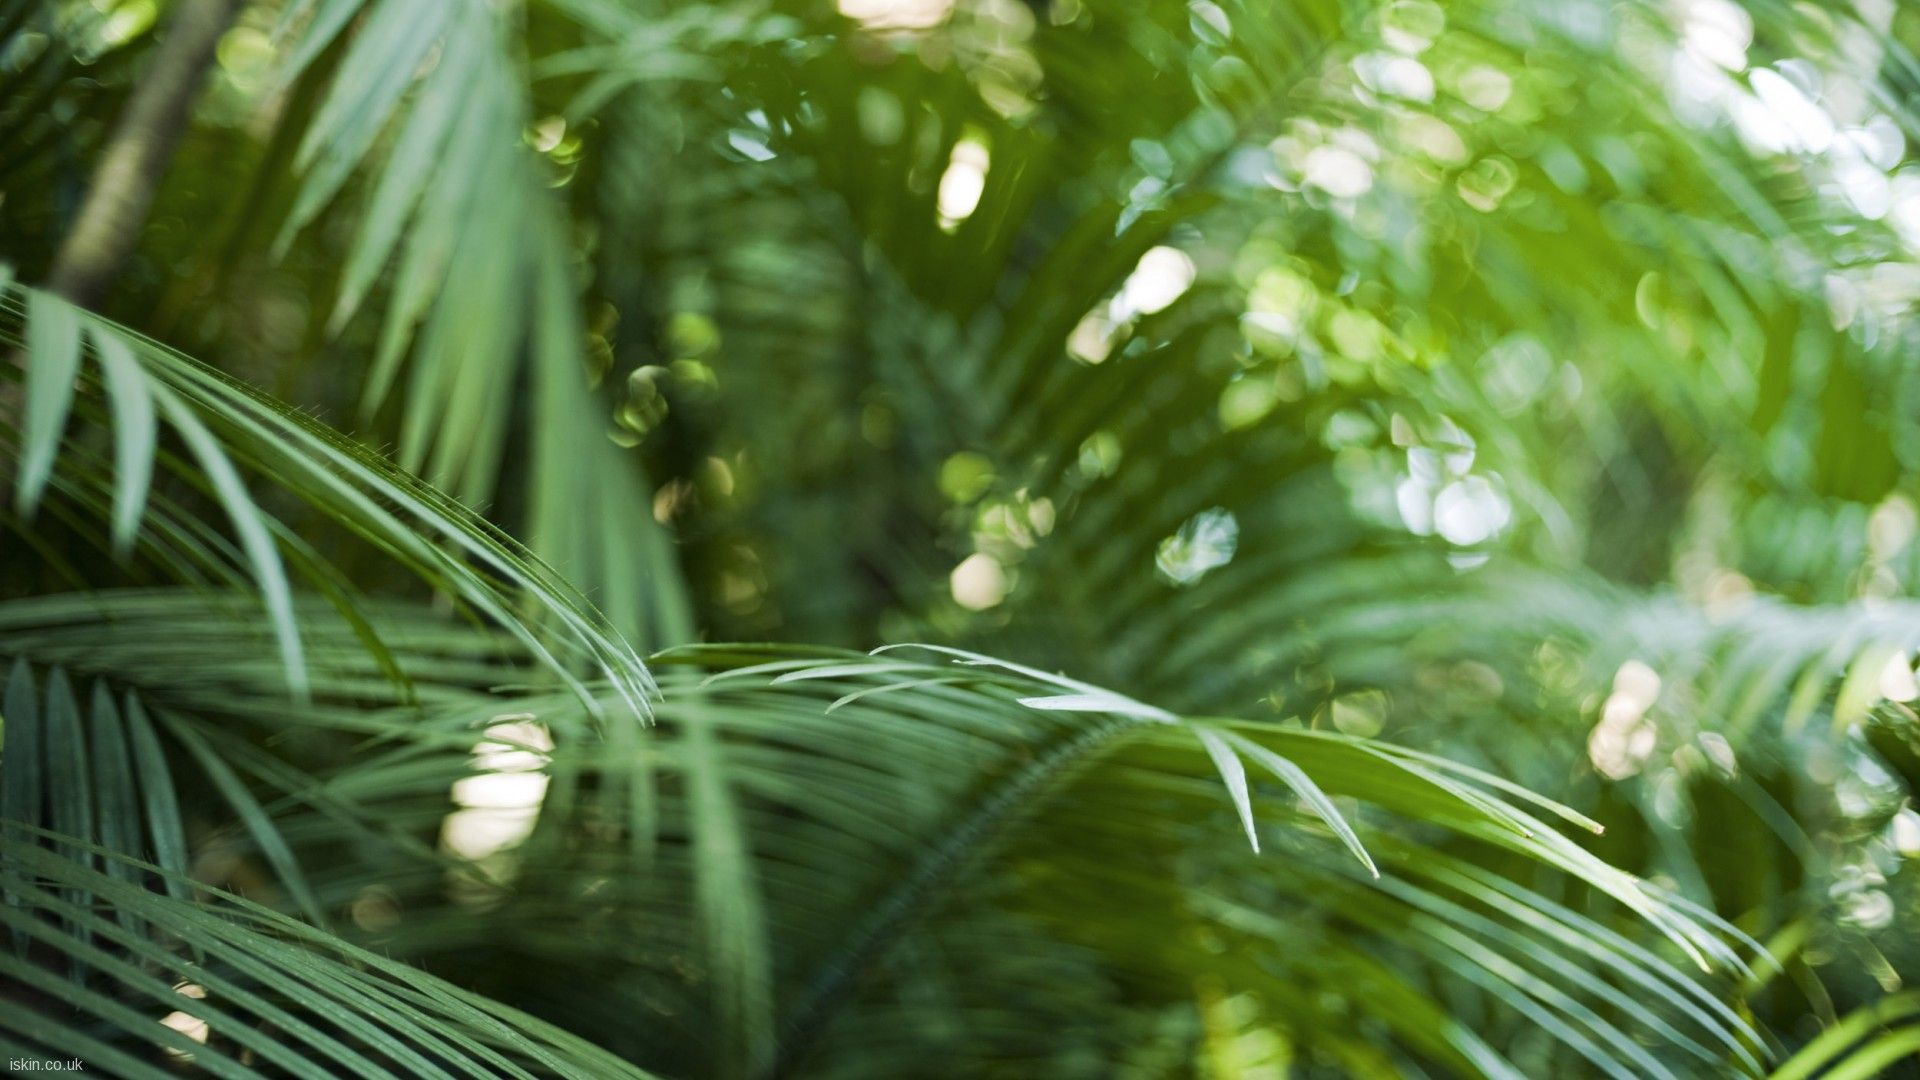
(1386, 412)
(733, 843)
(226, 424)
(1864, 1044)
(238, 989)
(866, 808)
(482, 302)
(105, 774)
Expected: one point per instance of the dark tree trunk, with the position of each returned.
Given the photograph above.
(108, 226)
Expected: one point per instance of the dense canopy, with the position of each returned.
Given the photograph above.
(1323, 538)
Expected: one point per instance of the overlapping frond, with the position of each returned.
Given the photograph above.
(225, 426)
(237, 989)
(814, 818)
(183, 752)
(1868, 1042)
(874, 812)
(481, 306)
(1231, 354)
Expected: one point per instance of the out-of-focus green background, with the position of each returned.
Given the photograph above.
(1527, 384)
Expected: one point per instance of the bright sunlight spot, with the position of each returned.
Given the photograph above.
(962, 183)
(1338, 171)
(193, 1027)
(1161, 277)
(501, 800)
(1781, 116)
(1204, 542)
(1896, 679)
(979, 582)
(1624, 738)
(1718, 32)
(897, 14)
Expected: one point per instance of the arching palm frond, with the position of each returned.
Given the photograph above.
(1384, 412)
(824, 824)
(119, 699)
(1702, 732)
(486, 304)
(238, 989)
(225, 425)
(812, 819)
(191, 763)
(1866, 1043)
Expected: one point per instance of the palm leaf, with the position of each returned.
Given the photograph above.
(1863, 1044)
(946, 801)
(225, 423)
(482, 299)
(259, 990)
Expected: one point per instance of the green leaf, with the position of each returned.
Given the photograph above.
(732, 923)
(1834, 1051)
(162, 808)
(53, 363)
(22, 755)
(275, 991)
(259, 825)
(118, 807)
(69, 782)
(1234, 775)
(1309, 792)
(135, 433)
(226, 424)
(255, 537)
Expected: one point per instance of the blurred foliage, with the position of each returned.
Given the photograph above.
(1497, 410)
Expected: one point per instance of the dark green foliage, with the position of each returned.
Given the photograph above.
(1411, 510)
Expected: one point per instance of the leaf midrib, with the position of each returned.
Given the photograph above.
(946, 861)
